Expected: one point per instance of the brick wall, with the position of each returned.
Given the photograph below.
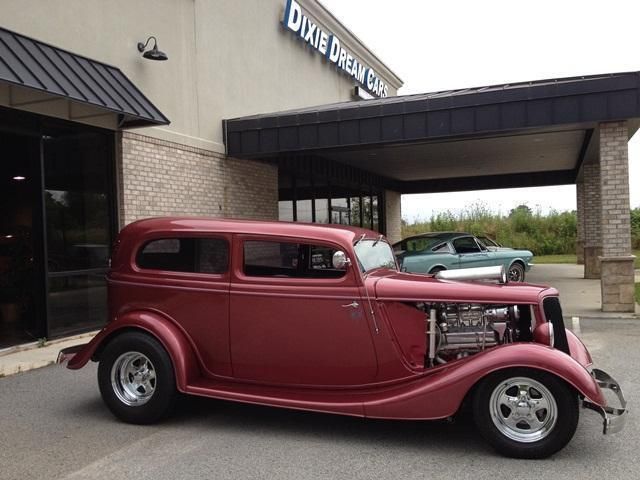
(614, 181)
(251, 189)
(592, 205)
(580, 221)
(157, 177)
(393, 213)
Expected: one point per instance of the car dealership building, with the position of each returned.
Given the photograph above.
(264, 109)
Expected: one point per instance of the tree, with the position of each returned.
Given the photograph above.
(522, 210)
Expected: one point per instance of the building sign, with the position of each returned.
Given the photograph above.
(329, 45)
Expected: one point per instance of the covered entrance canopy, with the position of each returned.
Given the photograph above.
(512, 135)
(539, 133)
(41, 78)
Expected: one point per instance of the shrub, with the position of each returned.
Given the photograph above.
(553, 233)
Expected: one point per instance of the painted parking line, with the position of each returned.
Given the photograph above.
(575, 325)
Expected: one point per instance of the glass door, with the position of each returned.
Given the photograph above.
(79, 227)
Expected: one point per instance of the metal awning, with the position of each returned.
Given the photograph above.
(34, 72)
(513, 135)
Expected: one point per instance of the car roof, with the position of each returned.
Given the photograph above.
(444, 236)
(327, 232)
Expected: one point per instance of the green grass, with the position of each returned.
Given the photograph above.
(638, 293)
(570, 258)
(564, 258)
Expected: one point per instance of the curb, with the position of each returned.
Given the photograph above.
(30, 356)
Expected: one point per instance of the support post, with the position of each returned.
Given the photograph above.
(617, 262)
(580, 221)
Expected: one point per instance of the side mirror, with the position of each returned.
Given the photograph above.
(340, 260)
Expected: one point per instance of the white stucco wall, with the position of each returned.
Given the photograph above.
(227, 58)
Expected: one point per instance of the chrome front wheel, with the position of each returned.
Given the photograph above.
(525, 413)
(523, 409)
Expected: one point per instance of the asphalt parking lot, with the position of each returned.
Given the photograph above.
(55, 426)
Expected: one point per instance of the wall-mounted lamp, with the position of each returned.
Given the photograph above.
(19, 178)
(154, 53)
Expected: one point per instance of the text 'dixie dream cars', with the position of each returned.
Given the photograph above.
(437, 251)
(320, 318)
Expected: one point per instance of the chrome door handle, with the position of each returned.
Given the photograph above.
(353, 304)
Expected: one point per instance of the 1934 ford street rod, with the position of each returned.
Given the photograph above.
(320, 318)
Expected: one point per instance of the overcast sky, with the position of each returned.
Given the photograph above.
(441, 45)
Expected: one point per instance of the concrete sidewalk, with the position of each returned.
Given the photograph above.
(33, 355)
(580, 297)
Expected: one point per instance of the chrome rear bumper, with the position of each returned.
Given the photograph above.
(66, 354)
(614, 418)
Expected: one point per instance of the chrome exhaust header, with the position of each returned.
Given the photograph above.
(498, 274)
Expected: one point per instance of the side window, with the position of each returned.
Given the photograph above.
(270, 258)
(442, 248)
(466, 245)
(293, 260)
(321, 258)
(195, 255)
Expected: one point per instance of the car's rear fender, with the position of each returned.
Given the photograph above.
(441, 394)
(172, 338)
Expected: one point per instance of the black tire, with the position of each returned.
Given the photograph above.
(516, 272)
(435, 270)
(540, 444)
(156, 394)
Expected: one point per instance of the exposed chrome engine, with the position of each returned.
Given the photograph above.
(497, 273)
(456, 330)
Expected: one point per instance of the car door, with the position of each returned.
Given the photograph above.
(470, 255)
(187, 279)
(294, 319)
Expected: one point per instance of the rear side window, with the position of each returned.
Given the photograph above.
(193, 255)
(284, 259)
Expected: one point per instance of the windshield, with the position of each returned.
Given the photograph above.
(374, 254)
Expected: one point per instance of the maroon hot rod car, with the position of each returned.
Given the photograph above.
(319, 318)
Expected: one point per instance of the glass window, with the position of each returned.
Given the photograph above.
(442, 248)
(320, 258)
(322, 210)
(339, 211)
(284, 259)
(375, 254)
(466, 245)
(374, 213)
(356, 212)
(304, 211)
(366, 212)
(79, 220)
(196, 255)
(285, 211)
(419, 244)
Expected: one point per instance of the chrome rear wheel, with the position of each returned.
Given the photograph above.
(136, 378)
(133, 378)
(516, 273)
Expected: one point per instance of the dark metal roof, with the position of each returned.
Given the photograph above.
(580, 101)
(35, 65)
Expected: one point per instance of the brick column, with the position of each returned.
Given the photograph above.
(617, 271)
(580, 221)
(592, 219)
(393, 212)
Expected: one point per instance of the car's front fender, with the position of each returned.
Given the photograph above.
(172, 338)
(441, 393)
